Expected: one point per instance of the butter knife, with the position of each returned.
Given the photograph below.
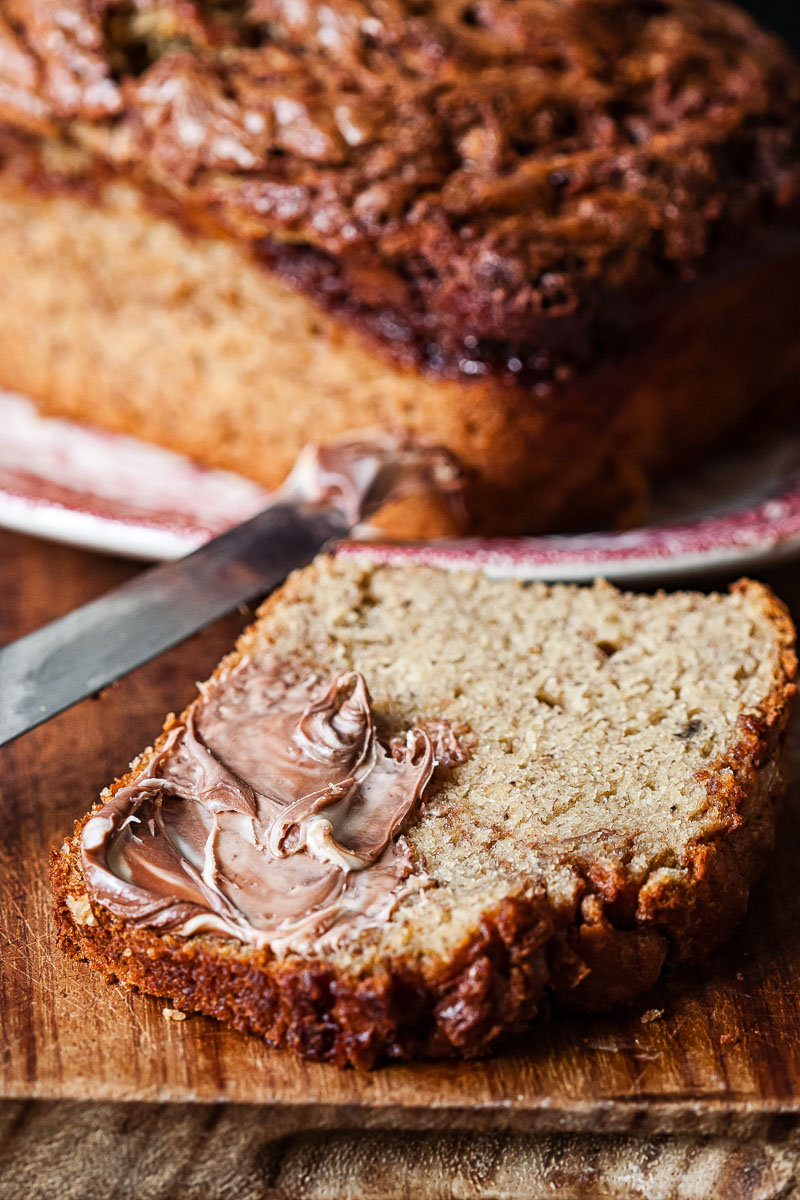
(48, 671)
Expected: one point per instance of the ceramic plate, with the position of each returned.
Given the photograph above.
(112, 493)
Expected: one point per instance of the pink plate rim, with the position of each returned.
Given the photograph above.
(111, 493)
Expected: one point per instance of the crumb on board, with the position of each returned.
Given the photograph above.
(652, 1014)
(81, 910)
(173, 1014)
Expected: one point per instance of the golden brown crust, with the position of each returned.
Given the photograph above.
(493, 985)
(491, 216)
(486, 186)
(603, 951)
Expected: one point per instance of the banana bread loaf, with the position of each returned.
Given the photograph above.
(556, 237)
(411, 804)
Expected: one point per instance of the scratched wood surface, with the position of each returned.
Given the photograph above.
(714, 1049)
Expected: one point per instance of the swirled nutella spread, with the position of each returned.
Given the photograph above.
(271, 816)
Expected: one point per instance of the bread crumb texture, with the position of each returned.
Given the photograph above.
(173, 1014)
(617, 804)
(596, 717)
(81, 910)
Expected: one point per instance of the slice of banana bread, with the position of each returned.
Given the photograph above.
(411, 803)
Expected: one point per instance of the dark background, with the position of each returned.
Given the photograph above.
(781, 15)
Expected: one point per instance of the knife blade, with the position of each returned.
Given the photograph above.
(76, 656)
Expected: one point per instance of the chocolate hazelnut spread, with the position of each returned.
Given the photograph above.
(358, 475)
(269, 817)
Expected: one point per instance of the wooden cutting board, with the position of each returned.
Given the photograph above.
(713, 1049)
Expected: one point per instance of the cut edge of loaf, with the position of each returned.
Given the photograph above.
(517, 951)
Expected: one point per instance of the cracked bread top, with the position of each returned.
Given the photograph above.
(483, 183)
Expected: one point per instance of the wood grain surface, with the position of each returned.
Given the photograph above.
(711, 1050)
(77, 1151)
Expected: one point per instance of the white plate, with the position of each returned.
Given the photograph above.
(100, 490)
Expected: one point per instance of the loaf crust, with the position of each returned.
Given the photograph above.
(485, 187)
(605, 950)
(558, 239)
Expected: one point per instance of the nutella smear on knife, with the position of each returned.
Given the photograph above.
(270, 816)
(359, 473)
